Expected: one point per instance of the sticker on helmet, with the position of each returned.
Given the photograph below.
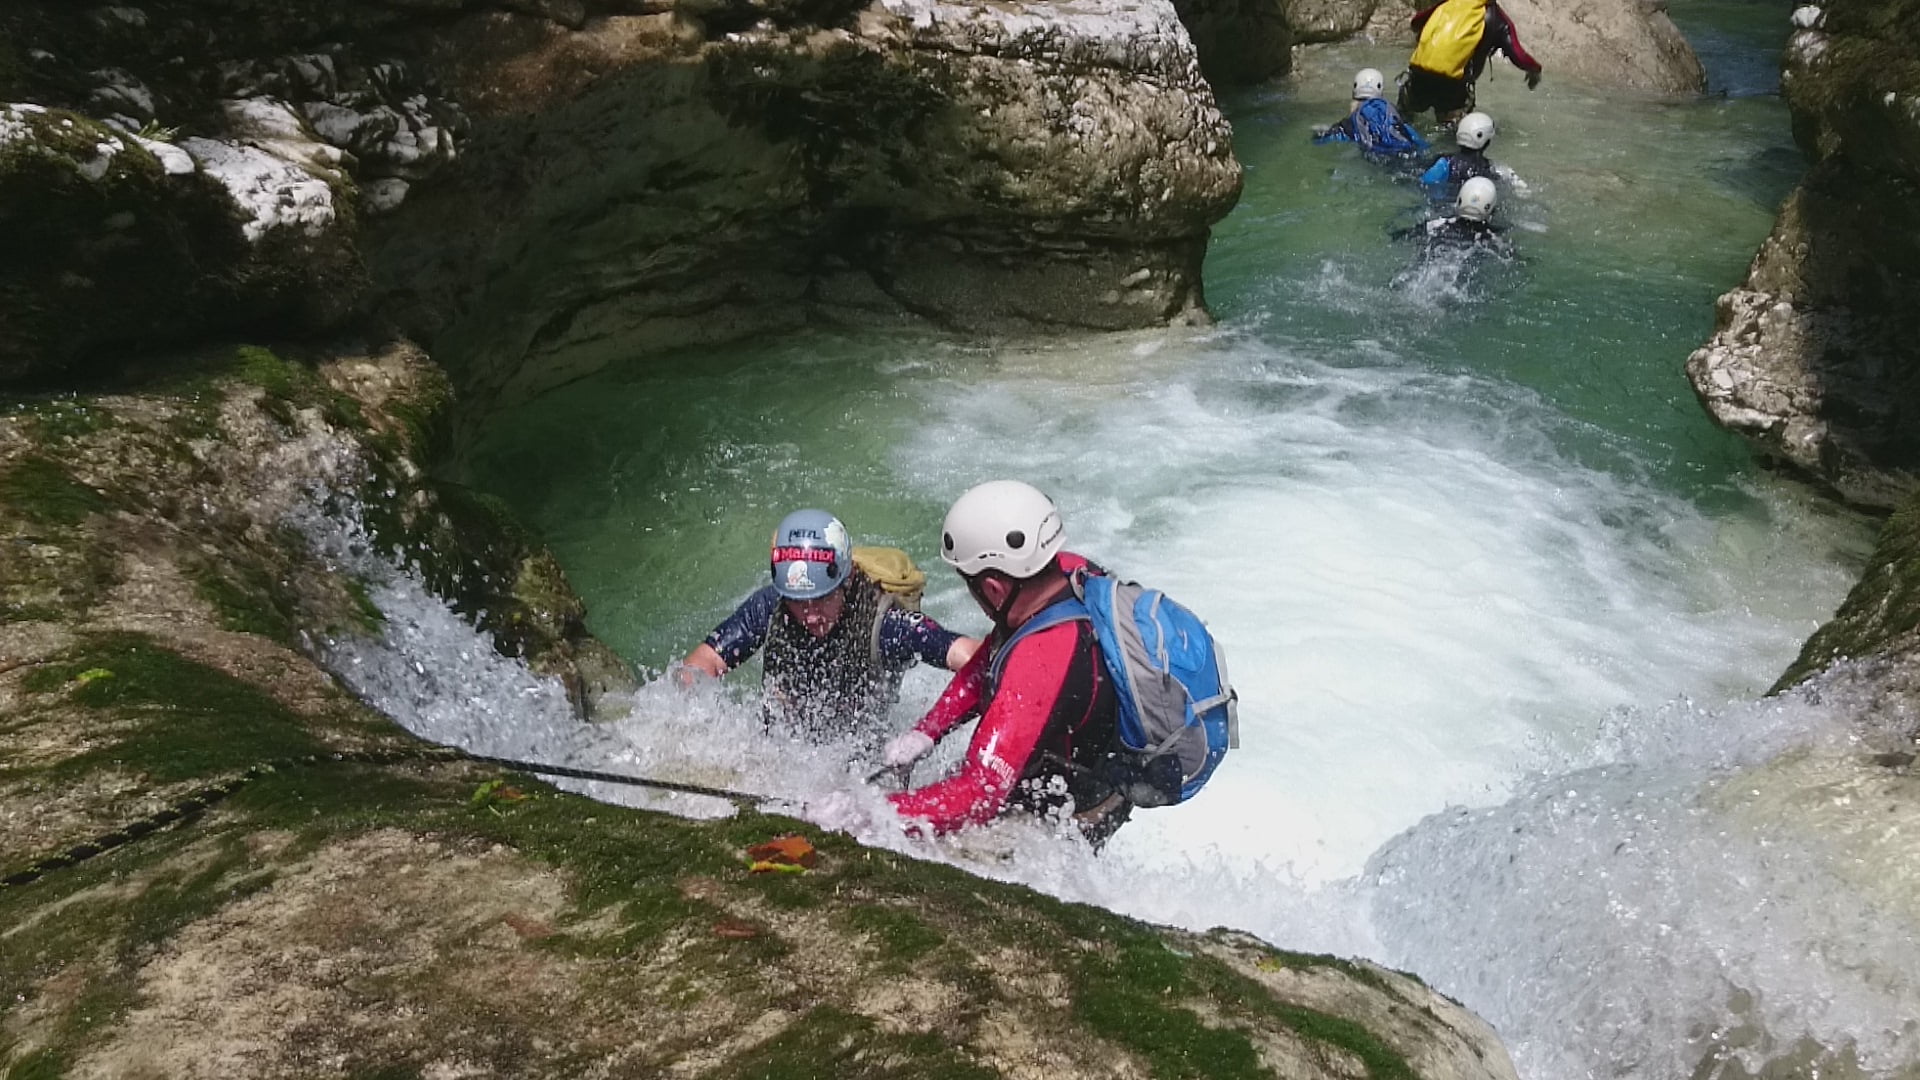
(836, 534)
(797, 577)
(802, 554)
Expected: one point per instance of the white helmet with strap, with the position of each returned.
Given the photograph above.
(1002, 525)
(1477, 197)
(1368, 84)
(1474, 131)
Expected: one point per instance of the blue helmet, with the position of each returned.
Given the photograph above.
(811, 555)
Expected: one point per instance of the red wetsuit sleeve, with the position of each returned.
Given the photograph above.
(960, 701)
(1029, 690)
(1507, 39)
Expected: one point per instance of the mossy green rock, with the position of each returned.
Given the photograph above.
(102, 247)
(347, 902)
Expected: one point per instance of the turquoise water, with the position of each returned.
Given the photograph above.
(654, 484)
(1456, 533)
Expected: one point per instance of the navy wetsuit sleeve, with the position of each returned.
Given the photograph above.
(1340, 132)
(744, 631)
(905, 635)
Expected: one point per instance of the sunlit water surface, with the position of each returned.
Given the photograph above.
(1497, 598)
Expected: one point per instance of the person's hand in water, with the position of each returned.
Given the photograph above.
(906, 748)
(1321, 129)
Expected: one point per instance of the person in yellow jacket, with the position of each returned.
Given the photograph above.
(1455, 39)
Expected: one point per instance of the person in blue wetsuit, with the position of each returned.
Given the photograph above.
(1373, 123)
(1443, 178)
(835, 643)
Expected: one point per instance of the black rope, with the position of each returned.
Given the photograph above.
(739, 797)
(197, 803)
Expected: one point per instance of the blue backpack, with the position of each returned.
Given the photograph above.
(1178, 714)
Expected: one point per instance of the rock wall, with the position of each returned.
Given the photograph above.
(541, 188)
(1816, 357)
(1240, 41)
(1015, 168)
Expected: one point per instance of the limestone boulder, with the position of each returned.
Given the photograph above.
(1629, 44)
(1329, 20)
(647, 182)
(1813, 356)
(112, 237)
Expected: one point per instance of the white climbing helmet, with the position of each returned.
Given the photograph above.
(1477, 197)
(1002, 525)
(1474, 131)
(1369, 84)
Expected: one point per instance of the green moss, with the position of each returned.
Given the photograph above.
(41, 1065)
(43, 492)
(1882, 608)
(174, 901)
(1223, 984)
(264, 368)
(826, 1042)
(1135, 995)
(1359, 973)
(1381, 1060)
(897, 935)
(64, 419)
(246, 599)
(184, 720)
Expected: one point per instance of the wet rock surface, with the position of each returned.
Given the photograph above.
(537, 189)
(341, 917)
(1814, 357)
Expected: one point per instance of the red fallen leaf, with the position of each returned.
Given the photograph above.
(735, 929)
(784, 851)
(528, 929)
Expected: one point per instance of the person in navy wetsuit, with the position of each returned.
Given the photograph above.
(1373, 123)
(835, 643)
(1443, 178)
(1047, 709)
(1469, 230)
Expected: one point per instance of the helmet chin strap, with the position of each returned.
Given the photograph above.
(998, 612)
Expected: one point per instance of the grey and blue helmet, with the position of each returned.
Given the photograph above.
(811, 555)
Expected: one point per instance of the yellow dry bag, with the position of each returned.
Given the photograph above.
(893, 570)
(1448, 39)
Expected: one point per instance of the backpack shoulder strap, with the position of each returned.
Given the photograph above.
(1060, 611)
(886, 604)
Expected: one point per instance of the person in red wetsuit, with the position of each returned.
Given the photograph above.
(1047, 708)
(1455, 38)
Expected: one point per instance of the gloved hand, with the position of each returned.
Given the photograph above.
(1533, 80)
(906, 748)
(839, 811)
